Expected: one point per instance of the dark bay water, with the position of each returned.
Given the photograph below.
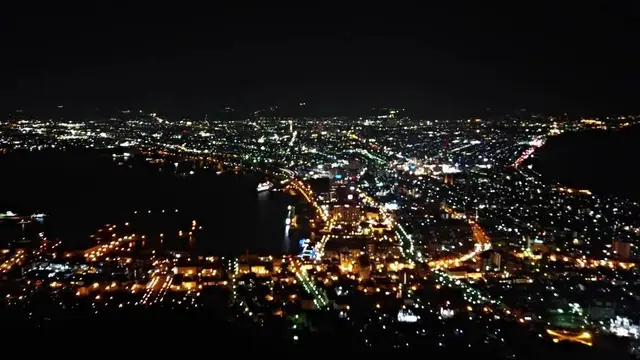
(84, 190)
(602, 161)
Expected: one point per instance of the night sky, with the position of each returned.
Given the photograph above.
(435, 61)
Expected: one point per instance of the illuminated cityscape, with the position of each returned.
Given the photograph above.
(405, 245)
(448, 181)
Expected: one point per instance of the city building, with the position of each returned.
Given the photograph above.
(622, 249)
(346, 213)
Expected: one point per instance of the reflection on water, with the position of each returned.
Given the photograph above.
(17, 232)
(84, 191)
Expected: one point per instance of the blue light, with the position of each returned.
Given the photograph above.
(339, 176)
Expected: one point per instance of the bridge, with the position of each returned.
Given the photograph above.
(307, 193)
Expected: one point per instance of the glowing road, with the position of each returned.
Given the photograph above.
(156, 288)
(320, 298)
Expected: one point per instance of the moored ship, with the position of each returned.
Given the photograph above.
(267, 185)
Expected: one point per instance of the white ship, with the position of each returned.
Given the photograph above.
(264, 186)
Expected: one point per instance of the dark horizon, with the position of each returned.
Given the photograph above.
(440, 63)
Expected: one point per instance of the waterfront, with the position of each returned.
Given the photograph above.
(82, 191)
(594, 159)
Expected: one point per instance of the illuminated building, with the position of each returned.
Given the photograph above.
(446, 313)
(379, 229)
(496, 259)
(346, 213)
(464, 272)
(623, 327)
(372, 214)
(406, 315)
(260, 270)
(371, 249)
(349, 261)
(622, 248)
(246, 268)
(490, 260)
(485, 261)
(185, 270)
